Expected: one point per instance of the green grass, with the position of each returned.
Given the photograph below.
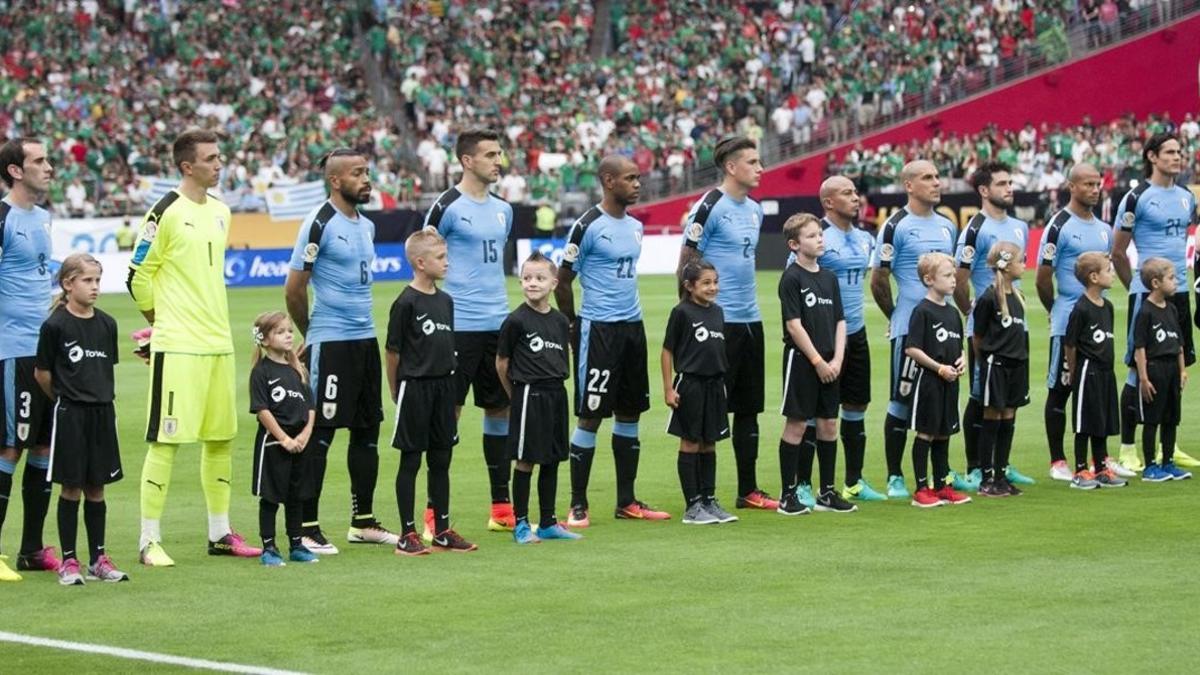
(1056, 581)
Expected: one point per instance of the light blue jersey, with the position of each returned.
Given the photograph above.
(1158, 218)
(725, 232)
(476, 233)
(848, 255)
(1065, 239)
(338, 252)
(604, 252)
(974, 244)
(25, 278)
(901, 242)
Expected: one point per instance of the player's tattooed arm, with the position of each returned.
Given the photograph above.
(962, 290)
(1045, 286)
(881, 290)
(1120, 256)
(295, 295)
(564, 295)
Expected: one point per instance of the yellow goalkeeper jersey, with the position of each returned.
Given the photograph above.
(178, 270)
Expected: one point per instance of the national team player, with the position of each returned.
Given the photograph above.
(25, 284)
(723, 228)
(993, 183)
(911, 232)
(1070, 233)
(177, 280)
(1155, 217)
(334, 250)
(603, 248)
(476, 224)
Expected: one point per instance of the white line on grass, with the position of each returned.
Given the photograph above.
(138, 655)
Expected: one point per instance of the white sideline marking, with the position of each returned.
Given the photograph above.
(138, 655)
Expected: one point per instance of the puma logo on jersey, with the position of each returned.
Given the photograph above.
(343, 239)
(466, 220)
(606, 237)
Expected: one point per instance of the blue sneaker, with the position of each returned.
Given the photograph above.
(1017, 478)
(961, 483)
(1154, 473)
(523, 534)
(302, 555)
(896, 488)
(975, 476)
(1176, 472)
(862, 492)
(271, 558)
(805, 495)
(557, 531)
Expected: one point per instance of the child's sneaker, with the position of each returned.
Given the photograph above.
(271, 557)
(502, 519)
(39, 561)
(523, 534)
(577, 516)
(896, 488)
(790, 505)
(1084, 480)
(315, 541)
(104, 570)
(1118, 468)
(1003, 484)
(68, 573)
(925, 498)
(990, 488)
(452, 541)
(805, 494)
(862, 492)
(951, 496)
(960, 482)
(714, 507)
(696, 514)
(830, 501)
(757, 499)
(1108, 479)
(1176, 472)
(302, 555)
(557, 531)
(372, 532)
(640, 511)
(1060, 471)
(1016, 477)
(410, 544)
(1154, 473)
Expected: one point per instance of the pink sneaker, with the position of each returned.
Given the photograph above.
(105, 570)
(39, 561)
(68, 573)
(233, 544)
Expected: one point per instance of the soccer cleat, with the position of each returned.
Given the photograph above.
(975, 477)
(39, 561)
(960, 482)
(1060, 471)
(68, 573)
(949, 495)
(271, 558)
(805, 494)
(451, 541)
(1176, 472)
(6, 572)
(990, 488)
(925, 498)
(1155, 474)
(302, 555)
(233, 544)
(1184, 459)
(696, 514)
(714, 507)
(1016, 477)
(639, 511)
(503, 519)
(862, 492)
(1012, 490)
(410, 545)
(1118, 468)
(427, 535)
(557, 531)
(316, 542)
(523, 534)
(1131, 458)
(790, 505)
(372, 533)
(830, 501)
(1108, 479)
(896, 488)
(153, 555)
(104, 570)
(578, 517)
(757, 500)
(1084, 480)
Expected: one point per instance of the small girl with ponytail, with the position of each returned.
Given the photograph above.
(1001, 344)
(280, 398)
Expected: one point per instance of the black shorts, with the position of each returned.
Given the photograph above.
(539, 423)
(476, 355)
(745, 378)
(1003, 383)
(83, 444)
(933, 409)
(855, 380)
(805, 396)
(425, 415)
(280, 476)
(347, 383)
(904, 372)
(1094, 406)
(703, 412)
(1165, 408)
(610, 369)
(27, 415)
(1183, 310)
(1057, 377)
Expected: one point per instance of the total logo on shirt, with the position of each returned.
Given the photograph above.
(1006, 321)
(944, 333)
(429, 325)
(279, 393)
(702, 334)
(1099, 335)
(76, 353)
(1162, 334)
(537, 344)
(811, 299)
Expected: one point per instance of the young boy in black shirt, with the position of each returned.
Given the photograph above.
(1162, 374)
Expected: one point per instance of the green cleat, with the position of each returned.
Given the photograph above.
(862, 492)
(896, 488)
(805, 494)
(1016, 477)
(961, 483)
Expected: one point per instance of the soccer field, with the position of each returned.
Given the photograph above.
(1054, 581)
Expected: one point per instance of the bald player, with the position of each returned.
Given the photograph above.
(334, 250)
(913, 231)
(603, 248)
(1070, 233)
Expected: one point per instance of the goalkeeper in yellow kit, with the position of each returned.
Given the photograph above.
(177, 279)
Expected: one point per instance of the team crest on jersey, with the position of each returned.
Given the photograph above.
(947, 234)
(638, 235)
(1104, 236)
(968, 254)
(170, 425)
(593, 401)
(701, 334)
(329, 410)
(571, 252)
(503, 219)
(23, 431)
(1049, 251)
(221, 223)
(887, 252)
(1128, 217)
